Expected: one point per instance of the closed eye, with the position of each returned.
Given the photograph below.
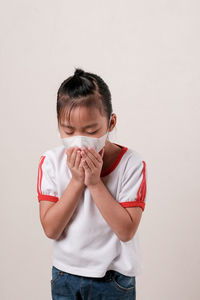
(87, 132)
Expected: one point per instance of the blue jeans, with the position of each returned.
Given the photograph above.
(113, 286)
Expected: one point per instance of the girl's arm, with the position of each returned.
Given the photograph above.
(114, 214)
(56, 217)
(123, 222)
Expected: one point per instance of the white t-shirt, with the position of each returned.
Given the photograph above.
(88, 246)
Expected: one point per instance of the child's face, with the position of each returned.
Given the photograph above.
(80, 119)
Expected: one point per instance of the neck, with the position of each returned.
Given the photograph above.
(107, 151)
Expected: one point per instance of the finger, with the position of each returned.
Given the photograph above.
(84, 164)
(90, 163)
(78, 159)
(73, 157)
(93, 161)
(91, 157)
(69, 152)
(81, 164)
(95, 154)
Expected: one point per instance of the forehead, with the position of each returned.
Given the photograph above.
(82, 116)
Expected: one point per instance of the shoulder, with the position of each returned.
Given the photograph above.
(54, 155)
(134, 173)
(134, 165)
(133, 159)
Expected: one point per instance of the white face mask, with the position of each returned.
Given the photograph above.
(85, 141)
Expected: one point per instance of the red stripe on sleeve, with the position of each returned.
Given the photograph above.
(39, 178)
(142, 189)
(39, 183)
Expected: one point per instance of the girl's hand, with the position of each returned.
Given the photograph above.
(73, 162)
(92, 163)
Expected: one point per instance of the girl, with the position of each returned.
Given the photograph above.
(91, 193)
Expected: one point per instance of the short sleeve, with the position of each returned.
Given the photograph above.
(134, 186)
(46, 183)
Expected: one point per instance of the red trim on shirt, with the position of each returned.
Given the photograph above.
(47, 197)
(142, 189)
(39, 178)
(39, 182)
(116, 161)
(140, 194)
(133, 204)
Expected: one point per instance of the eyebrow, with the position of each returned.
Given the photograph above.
(87, 126)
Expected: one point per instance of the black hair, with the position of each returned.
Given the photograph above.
(83, 89)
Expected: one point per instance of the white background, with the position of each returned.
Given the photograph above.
(148, 54)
